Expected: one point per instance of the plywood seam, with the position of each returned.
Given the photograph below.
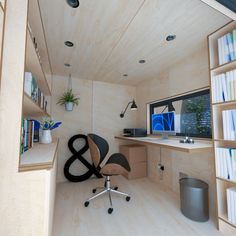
(121, 36)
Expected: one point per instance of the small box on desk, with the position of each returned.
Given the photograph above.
(137, 158)
(135, 132)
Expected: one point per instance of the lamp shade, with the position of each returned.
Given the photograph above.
(171, 107)
(133, 106)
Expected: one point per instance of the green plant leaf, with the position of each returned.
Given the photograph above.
(68, 97)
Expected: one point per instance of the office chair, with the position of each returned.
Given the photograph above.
(117, 164)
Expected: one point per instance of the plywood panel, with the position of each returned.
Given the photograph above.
(110, 37)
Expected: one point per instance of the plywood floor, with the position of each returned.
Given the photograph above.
(152, 211)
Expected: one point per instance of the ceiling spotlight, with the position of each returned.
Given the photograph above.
(73, 3)
(141, 61)
(125, 75)
(68, 43)
(67, 64)
(170, 37)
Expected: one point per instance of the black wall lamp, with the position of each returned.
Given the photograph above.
(132, 108)
(170, 107)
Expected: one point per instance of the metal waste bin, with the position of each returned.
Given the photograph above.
(194, 199)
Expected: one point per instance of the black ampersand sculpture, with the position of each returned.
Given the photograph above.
(78, 155)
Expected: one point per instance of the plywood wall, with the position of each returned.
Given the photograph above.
(98, 111)
(189, 74)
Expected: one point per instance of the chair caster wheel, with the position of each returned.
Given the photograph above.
(116, 188)
(127, 198)
(110, 210)
(86, 203)
(94, 190)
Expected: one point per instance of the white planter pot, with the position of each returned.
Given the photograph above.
(69, 106)
(46, 137)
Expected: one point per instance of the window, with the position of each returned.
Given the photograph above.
(192, 113)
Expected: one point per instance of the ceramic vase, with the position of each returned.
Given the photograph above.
(46, 137)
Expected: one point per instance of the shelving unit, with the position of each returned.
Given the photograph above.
(217, 107)
(32, 64)
(41, 156)
(30, 108)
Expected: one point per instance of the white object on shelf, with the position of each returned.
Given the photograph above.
(46, 137)
(69, 106)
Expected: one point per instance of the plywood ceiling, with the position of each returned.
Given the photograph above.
(111, 36)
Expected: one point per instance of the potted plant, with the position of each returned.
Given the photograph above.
(69, 100)
(47, 125)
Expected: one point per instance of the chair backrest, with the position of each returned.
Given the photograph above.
(98, 147)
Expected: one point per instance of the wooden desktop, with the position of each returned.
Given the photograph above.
(172, 143)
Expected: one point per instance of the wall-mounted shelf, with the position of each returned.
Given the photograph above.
(233, 102)
(226, 180)
(198, 146)
(30, 108)
(224, 68)
(32, 64)
(39, 157)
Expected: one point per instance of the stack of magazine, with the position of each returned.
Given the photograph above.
(227, 48)
(226, 163)
(224, 87)
(31, 89)
(231, 204)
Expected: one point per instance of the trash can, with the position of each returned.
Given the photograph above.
(194, 199)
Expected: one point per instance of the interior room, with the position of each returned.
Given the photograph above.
(117, 117)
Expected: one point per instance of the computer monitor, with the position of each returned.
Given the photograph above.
(163, 123)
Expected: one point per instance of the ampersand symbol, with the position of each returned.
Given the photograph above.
(78, 155)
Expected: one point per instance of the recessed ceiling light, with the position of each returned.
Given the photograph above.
(73, 3)
(141, 61)
(170, 37)
(67, 64)
(68, 43)
(125, 75)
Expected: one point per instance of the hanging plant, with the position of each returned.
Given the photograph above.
(69, 100)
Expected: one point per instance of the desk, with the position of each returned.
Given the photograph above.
(173, 143)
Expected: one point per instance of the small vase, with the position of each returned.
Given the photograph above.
(69, 106)
(46, 137)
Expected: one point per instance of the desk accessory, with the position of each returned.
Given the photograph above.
(135, 132)
(187, 140)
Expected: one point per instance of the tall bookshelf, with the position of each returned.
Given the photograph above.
(215, 69)
(40, 156)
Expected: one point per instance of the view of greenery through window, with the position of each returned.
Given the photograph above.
(192, 113)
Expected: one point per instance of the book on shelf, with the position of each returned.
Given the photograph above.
(231, 204)
(229, 124)
(226, 163)
(29, 135)
(32, 90)
(224, 87)
(227, 47)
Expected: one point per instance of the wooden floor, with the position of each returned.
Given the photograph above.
(152, 211)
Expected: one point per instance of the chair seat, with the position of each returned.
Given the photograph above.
(117, 164)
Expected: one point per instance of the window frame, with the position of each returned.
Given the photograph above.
(165, 102)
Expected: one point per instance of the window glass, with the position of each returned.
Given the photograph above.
(192, 114)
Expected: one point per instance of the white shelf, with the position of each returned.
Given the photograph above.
(39, 157)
